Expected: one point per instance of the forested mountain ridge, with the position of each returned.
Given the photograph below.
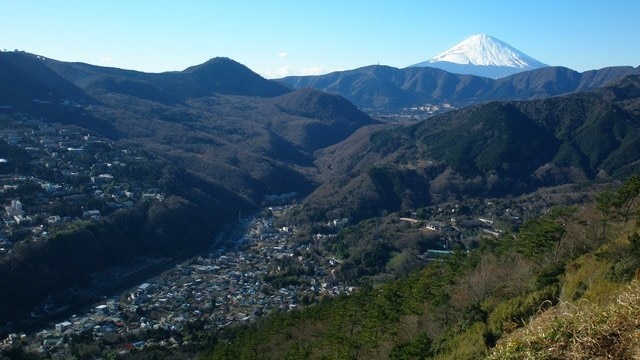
(384, 88)
(218, 119)
(24, 78)
(215, 76)
(213, 140)
(495, 149)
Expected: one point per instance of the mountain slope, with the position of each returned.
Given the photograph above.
(24, 77)
(585, 330)
(483, 55)
(225, 76)
(478, 304)
(217, 138)
(330, 118)
(383, 88)
(219, 120)
(495, 149)
(497, 137)
(216, 76)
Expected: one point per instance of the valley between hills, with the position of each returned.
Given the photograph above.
(370, 213)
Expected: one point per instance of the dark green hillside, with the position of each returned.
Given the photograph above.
(598, 129)
(378, 190)
(465, 305)
(494, 149)
(37, 269)
(588, 135)
(496, 138)
(625, 91)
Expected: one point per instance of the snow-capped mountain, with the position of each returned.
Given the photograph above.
(483, 55)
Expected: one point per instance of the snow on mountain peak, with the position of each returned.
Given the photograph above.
(483, 55)
(486, 50)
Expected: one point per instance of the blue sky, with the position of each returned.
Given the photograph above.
(280, 37)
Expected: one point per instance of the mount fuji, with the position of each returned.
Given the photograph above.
(483, 55)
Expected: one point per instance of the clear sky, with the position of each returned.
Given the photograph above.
(291, 37)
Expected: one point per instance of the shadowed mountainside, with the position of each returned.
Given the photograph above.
(216, 76)
(218, 119)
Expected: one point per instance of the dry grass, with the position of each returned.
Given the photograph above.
(580, 331)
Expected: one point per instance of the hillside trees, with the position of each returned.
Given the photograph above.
(618, 203)
(627, 196)
(180, 225)
(461, 307)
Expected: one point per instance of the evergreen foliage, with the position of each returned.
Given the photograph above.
(462, 307)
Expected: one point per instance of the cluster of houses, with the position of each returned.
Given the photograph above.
(61, 175)
(226, 287)
(266, 269)
(222, 288)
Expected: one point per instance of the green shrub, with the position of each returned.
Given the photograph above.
(513, 313)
